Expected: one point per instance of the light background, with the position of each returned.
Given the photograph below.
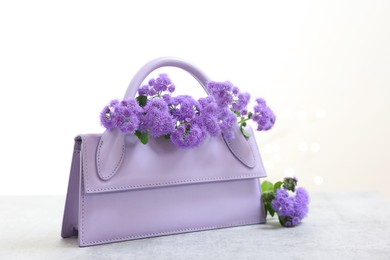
(323, 66)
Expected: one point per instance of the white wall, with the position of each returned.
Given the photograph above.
(322, 65)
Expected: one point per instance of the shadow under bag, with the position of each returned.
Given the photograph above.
(120, 189)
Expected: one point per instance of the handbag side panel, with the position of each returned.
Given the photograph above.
(134, 214)
(71, 211)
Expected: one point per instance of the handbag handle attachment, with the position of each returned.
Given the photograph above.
(112, 146)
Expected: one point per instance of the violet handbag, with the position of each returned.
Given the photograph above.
(120, 189)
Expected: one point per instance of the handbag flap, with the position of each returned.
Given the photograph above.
(160, 163)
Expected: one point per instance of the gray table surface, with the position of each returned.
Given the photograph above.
(339, 226)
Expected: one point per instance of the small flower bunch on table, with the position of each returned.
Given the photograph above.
(286, 200)
(182, 119)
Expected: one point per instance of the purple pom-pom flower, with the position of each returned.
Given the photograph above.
(186, 121)
(156, 87)
(108, 118)
(188, 136)
(122, 115)
(156, 118)
(263, 116)
(291, 209)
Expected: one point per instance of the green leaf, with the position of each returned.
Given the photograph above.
(267, 186)
(244, 132)
(142, 100)
(277, 185)
(167, 137)
(271, 210)
(142, 136)
(237, 113)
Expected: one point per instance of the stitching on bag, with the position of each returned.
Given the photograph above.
(117, 165)
(82, 189)
(246, 222)
(173, 183)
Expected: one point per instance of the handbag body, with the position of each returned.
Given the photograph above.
(120, 189)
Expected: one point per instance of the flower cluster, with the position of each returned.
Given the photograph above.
(157, 86)
(123, 115)
(182, 119)
(231, 103)
(263, 115)
(291, 209)
(280, 198)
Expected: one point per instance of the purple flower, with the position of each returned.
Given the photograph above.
(188, 136)
(183, 107)
(157, 86)
(122, 115)
(221, 92)
(208, 118)
(241, 102)
(194, 120)
(187, 121)
(167, 98)
(263, 116)
(291, 209)
(127, 112)
(227, 121)
(302, 202)
(152, 82)
(128, 121)
(114, 103)
(152, 92)
(107, 118)
(171, 88)
(295, 221)
(156, 118)
(260, 101)
(144, 90)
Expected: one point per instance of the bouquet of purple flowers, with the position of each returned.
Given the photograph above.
(182, 119)
(287, 201)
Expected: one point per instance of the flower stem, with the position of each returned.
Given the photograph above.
(243, 120)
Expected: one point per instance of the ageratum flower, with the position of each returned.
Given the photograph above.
(187, 121)
(122, 115)
(227, 121)
(107, 118)
(208, 118)
(191, 129)
(263, 115)
(241, 102)
(183, 107)
(222, 92)
(156, 118)
(291, 209)
(188, 136)
(157, 86)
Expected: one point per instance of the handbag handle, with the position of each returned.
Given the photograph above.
(149, 67)
(112, 145)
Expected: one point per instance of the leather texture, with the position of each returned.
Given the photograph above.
(120, 189)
